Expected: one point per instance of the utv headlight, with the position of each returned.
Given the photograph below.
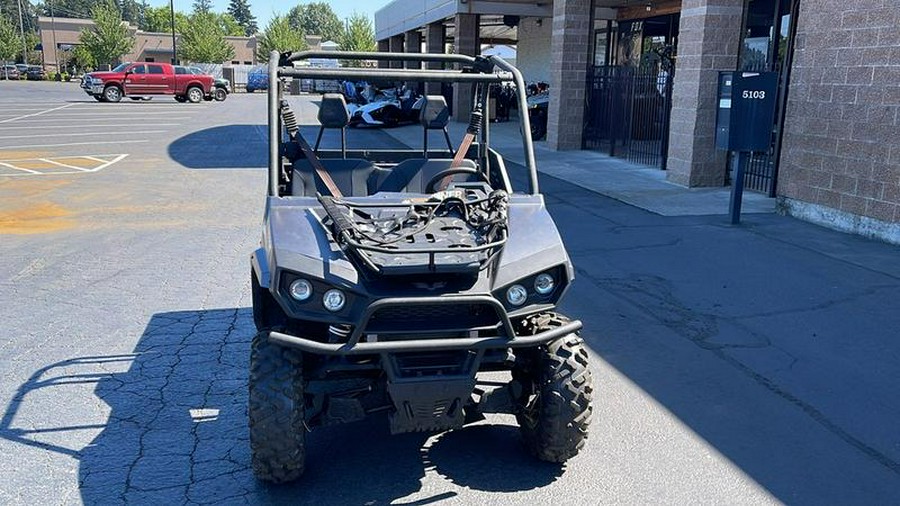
(544, 284)
(516, 295)
(334, 300)
(301, 289)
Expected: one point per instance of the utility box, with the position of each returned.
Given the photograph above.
(746, 110)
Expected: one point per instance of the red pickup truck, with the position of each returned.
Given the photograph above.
(145, 79)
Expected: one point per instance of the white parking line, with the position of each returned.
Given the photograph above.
(113, 114)
(36, 113)
(19, 168)
(2, 148)
(82, 134)
(92, 125)
(57, 120)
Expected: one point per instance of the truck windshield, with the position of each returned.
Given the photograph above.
(121, 67)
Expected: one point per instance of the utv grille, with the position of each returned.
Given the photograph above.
(430, 318)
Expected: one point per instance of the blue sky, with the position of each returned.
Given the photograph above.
(264, 9)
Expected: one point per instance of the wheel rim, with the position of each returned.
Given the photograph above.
(112, 93)
(195, 95)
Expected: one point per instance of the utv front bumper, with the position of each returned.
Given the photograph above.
(362, 342)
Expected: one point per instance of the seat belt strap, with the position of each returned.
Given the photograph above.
(290, 122)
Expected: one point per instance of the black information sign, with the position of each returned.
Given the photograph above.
(746, 111)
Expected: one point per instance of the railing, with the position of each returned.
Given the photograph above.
(628, 113)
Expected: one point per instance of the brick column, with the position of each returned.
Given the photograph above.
(569, 52)
(435, 35)
(708, 40)
(384, 46)
(466, 42)
(396, 47)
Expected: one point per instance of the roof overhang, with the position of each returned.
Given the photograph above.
(402, 16)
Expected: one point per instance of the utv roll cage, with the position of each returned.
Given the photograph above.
(470, 69)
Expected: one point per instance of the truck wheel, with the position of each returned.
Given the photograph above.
(276, 409)
(194, 95)
(555, 407)
(112, 93)
(220, 95)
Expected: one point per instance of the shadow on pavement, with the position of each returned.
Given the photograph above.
(176, 430)
(222, 147)
(246, 146)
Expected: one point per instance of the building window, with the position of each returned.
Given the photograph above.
(151, 60)
(235, 62)
(248, 63)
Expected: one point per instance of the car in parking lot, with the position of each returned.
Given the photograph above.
(147, 79)
(9, 72)
(35, 73)
(221, 86)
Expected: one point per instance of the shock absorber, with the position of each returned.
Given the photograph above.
(289, 119)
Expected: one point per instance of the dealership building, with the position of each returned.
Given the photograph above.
(639, 79)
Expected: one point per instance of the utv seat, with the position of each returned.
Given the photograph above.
(435, 116)
(353, 177)
(413, 175)
(333, 114)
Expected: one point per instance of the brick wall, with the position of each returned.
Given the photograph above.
(841, 146)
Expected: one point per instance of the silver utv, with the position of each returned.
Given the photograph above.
(391, 281)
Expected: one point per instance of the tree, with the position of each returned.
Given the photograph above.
(10, 43)
(109, 38)
(359, 35)
(82, 58)
(132, 11)
(229, 25)
(280, 36)
(240, 11)
(316, 18)
(203, 6)
(158, 19)
(203, 40)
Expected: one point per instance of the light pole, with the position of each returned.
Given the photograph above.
(174, 51)
(22, 29)
(55, 47)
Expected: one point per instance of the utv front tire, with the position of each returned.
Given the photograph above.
(555, 408)
(277, 428)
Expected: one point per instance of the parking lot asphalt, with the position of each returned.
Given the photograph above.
(731, 365)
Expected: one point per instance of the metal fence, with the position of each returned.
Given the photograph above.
(628, 112)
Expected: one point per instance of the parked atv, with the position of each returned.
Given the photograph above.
(386, 282)
(389, 108)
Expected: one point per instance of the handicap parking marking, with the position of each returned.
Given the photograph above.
(58, 165)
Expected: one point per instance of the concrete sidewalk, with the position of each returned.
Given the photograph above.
(637, 185)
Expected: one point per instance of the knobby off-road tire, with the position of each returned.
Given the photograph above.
(555, 408)
(277, 429)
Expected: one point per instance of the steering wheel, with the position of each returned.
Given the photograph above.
(429, 188)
